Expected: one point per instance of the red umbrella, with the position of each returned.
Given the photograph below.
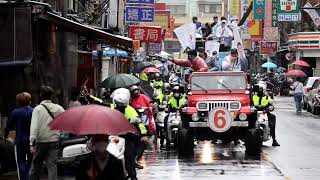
(92, 119)
(301, 63)
(151, 70)
(296, 73)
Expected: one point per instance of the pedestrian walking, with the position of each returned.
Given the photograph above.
(43, 141)
(19, 121)
(298, 94)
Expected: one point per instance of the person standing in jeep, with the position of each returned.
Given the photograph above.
(194, 61)
(43, 141)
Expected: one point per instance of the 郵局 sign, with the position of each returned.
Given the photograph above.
(268, 47)
(145, 33)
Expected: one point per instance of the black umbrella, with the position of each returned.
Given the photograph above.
(120, 80)
(141, 66)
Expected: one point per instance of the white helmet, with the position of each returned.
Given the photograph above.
(120, 91)
(121, 96)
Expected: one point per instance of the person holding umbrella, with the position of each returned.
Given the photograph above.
(298, 94)
(100, 164)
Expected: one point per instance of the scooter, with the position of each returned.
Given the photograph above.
(174, 121)
(263, 123)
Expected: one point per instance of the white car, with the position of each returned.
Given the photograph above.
(307, 89)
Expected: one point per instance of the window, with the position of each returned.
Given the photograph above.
(177, 10)
(210, 8)
(218, 83)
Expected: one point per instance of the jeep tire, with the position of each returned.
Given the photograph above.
(253, 142)
(185, 142)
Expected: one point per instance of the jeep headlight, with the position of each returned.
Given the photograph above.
(242, 116)
(234, 105)
(202, 106)
(195, 117)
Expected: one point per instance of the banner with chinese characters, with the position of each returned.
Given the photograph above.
(145, 33)
(268, 47)
(274, 21)
(139, 14)
(146, 2)
(259, 9)
(288, 10)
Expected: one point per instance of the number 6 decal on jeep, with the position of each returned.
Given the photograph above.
(220, 120)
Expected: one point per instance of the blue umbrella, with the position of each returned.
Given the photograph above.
(269, 65)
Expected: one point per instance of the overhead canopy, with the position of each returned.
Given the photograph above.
(115, 41)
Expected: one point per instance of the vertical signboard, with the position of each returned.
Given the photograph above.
(288, 10)
(274, 21)
(259, 9)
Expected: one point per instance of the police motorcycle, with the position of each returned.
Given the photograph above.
(174, 121)
(174, 118)
(262, 117)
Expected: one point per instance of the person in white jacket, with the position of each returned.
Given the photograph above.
(43, 141)
(223, 32)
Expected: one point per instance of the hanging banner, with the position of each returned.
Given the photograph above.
(237, 42)
(186, 35)
(313, 14)
(145, 33)
(259, 9)
(288, 10)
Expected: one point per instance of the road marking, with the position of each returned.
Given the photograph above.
(266, 157)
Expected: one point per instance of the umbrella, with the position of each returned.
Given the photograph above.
(92, 120)
(141, 66)
(120, 80)
(297, 73)
(301, 63)
(151, 70)
(269, 65)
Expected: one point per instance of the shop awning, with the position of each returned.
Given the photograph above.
(112, 40)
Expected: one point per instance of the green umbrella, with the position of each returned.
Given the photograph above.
(120, 80)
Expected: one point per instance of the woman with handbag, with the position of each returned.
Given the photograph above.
(18, 125)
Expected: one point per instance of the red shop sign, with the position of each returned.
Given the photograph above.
(145, 33)
(268, 47)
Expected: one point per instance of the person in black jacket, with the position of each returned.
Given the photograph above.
(100, 165)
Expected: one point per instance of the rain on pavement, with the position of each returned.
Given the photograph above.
(297, 158)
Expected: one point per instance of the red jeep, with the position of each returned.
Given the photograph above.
(219, 107)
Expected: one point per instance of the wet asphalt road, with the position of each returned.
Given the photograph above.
(297, 158)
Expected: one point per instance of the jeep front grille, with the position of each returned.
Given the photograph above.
(213, 105)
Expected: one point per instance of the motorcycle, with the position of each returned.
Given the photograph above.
(174, 121)
(263, 124)
(160, 122)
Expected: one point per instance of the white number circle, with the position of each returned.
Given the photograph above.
(220, 120)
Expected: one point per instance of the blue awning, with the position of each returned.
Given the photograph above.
(109, 52)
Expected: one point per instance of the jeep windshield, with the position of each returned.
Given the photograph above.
(200, 83)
